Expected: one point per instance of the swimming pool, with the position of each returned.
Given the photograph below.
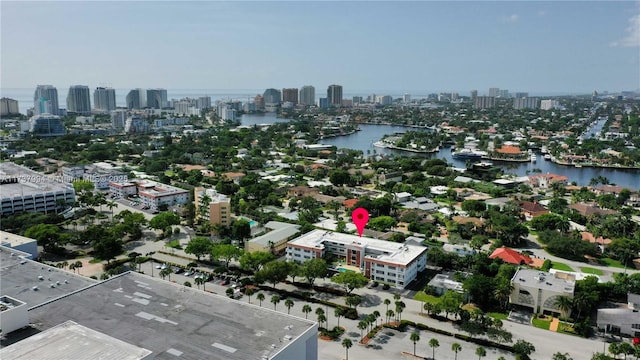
(341, 269)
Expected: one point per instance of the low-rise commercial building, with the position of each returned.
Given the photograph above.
(25, 190)
(539, 290)
(20, 243)
(275, 240)
(390, 262)
(152, 194)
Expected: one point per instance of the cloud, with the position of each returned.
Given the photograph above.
(633, 34)
(513, 18)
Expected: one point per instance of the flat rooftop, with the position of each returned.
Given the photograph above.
(279, 231)
(14, 239)
(374, 248)
(29, 182)
(70, 340)
(543, 280)
(174, 321)
(20, 275)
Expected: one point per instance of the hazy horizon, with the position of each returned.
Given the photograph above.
(530, 46)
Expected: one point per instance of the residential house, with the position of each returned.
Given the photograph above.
(510, 256)
(545, 181)
(540, 291)
(531, 209)
(591, 209)
(621, 320)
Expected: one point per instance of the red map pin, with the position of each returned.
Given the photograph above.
(360, 217)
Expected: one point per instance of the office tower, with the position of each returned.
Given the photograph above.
(290, 95)
(323, 103)
(9, 106)
(45, 100)
(525, 103)
(156, 98)
(46, 125)
(258, 102)
(104, 99)
(137, 99)
(357, 100)
(474, 95)
(522, 94)
(308, 95)
(407, 98)
(272, 99)
(334, 94)
(79, 100)
(494, 92)
(484, 102)
(504, 93)
(384, 100)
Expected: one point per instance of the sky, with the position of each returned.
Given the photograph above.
(420, 46)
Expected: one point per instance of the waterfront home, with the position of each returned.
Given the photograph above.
(609, 189)
(545, 181)
(591, 209)
(509, 152)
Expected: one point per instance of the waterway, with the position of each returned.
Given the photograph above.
(363, 140)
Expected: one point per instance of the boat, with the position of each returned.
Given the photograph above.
(578, 165)
(547, 156)
(544, 149)
(533, 158)
(467, 154)
(380, 144)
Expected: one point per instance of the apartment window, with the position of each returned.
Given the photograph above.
(392, 267)
(635, 326)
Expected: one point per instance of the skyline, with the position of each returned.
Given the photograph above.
(415, 47)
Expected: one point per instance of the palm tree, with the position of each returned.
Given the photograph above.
(455, 347)
(199, 281)
(564, 304)
(249, 292)
(362, 325)
(415, 337)
(64, 264)
(72, 267)
(433, 344)
(561, 356)
(289, 304)
(321, 319)
(390, 313)
(275, 299)
(111, 205)
(346, 344)
(78, 265)
(165, 272)
(387, 302)
(260, 298)
(481, 352)
(338, 313)
(376, 315)
(306, 309)
(399, 307)
(523, 349)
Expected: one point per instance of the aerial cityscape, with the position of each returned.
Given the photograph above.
(320, 180)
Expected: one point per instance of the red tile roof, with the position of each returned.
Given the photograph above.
(349, 203)
(510, 256)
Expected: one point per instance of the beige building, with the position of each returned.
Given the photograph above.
(219, 206)
(274, 241)
(540, 290)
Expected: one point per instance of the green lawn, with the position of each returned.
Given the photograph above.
(611, 262)
(424, 297)
(588, 270)
(497, 315)
(560, 266)
(542, 324)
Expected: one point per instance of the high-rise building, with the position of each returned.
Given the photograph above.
(484, 102)
(118, 118)
(290, 95)
(259, 102)
(272, 99)
(46, 125)
(79, 100)
(156, 98)
(504, 93)
(334, 94)
(522, 94)
(549, 104)
(203, 102)
(525, 103)
(357, 100)
(308, 95)
(406, 98)
(104, 99)
(9, 106)
(45, 100)
(137, 99)
(494, 92)
(323, 103)
(384, 100)
(474, 95)
(454, 96)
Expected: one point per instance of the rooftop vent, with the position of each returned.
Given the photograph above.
(23, 262)
(35, 288)
(40, 277)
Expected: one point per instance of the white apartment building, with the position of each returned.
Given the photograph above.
(25, 190)
(100, 174)
(540, 290)
(390, 262)
(549, 104)
(152, 194)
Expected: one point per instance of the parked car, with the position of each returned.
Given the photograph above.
(178, 270)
